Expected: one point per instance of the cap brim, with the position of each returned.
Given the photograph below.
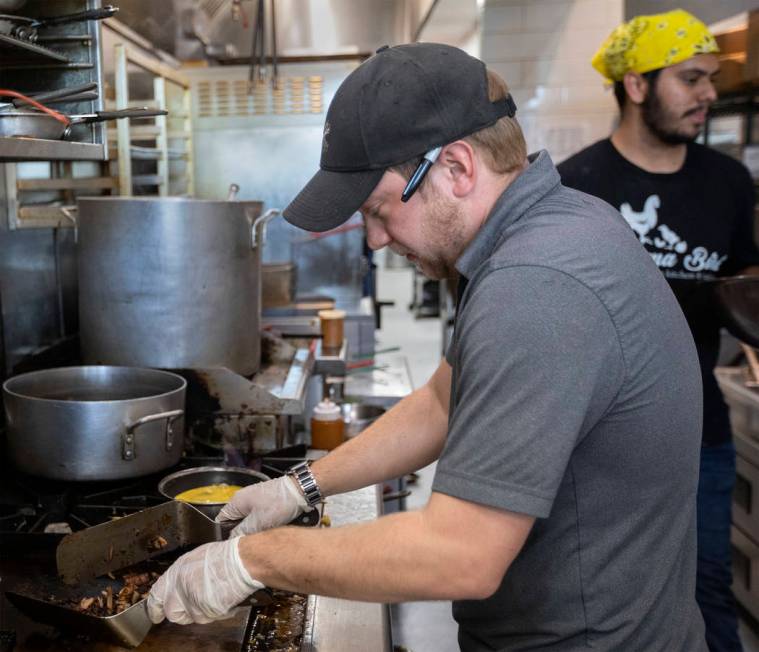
(330, 198)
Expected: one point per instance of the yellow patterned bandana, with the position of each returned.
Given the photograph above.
(651, 42)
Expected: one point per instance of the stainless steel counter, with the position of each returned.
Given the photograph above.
(384, 385)
(343, 625)
(336, 625)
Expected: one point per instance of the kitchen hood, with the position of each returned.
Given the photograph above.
(306, 29)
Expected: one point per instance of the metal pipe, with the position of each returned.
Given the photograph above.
(274, 77)
(425, 20)
(305, 58)
(262, 39)
(253, 52)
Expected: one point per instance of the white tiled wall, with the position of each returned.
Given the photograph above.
(542, 48)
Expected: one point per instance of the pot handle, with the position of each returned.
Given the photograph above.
(70, 213)
(79, 17)
(261, 221)
(128, 451)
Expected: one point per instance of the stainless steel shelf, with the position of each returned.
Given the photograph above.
(35, 149)
(20, 47)
(332, 364)
(243, 411)
(279, 386)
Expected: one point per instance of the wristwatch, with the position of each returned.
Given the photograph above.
(307, 482)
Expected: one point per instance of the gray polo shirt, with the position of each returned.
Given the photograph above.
(576, 398)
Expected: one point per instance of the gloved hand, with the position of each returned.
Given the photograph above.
(203, 585)
(264, 505)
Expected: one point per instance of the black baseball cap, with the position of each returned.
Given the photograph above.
(398, 104)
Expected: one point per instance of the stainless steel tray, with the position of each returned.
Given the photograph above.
(84, 557)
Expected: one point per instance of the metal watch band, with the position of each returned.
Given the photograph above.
(302, 473)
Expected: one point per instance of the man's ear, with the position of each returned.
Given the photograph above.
(636, 87)
(459, 166)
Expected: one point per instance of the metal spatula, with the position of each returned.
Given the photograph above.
(95, 551)
(131, 539)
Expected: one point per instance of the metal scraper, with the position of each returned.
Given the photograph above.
(128, 540)
(91, 553)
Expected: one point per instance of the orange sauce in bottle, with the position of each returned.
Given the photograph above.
(327, 426)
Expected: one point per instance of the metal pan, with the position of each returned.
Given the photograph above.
(53, 96)
(123, 542)
(25, 29)
(33, 124)
(128, 628)
(738, 303)
(202, 476)
(94, 422)
(83, 556)
(278, 284)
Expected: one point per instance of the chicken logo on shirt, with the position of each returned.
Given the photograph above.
(643, 222)
(666, 247)
(670, 240)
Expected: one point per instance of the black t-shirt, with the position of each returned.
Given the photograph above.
(697, 223)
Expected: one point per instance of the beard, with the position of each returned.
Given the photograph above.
(443, 230)
(662, 122)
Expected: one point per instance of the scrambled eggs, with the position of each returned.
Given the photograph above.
(212, 493)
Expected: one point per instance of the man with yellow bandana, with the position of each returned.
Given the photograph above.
(692, 209)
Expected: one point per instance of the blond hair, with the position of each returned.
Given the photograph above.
(501, 145)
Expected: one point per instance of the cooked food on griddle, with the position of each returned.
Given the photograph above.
(111, 601)
(157, 543)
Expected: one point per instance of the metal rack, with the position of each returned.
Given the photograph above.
(744, 102)
(64, 55)
(25, 51)
(169, 138)
(47, 202)
(28, 149)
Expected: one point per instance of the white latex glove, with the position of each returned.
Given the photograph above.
(203, 585)
(264, 505)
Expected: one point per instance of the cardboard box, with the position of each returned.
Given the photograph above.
(752, 48)
(739, 55)
(732, 75)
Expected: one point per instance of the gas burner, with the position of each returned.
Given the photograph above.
(36, 513)
(36, 506)
(44, 507)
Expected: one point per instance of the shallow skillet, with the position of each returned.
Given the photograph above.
(53, 125)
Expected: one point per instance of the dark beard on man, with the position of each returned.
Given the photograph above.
(656, 118)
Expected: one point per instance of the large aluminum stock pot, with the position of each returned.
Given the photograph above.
(170, 282)
(94, 422)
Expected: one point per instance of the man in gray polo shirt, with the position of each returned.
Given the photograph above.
(566, 416)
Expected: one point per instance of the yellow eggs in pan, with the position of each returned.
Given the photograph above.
(209, 494)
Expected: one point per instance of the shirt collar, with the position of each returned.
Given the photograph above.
(537, 180)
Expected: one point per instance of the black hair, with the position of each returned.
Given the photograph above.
(619, 88)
